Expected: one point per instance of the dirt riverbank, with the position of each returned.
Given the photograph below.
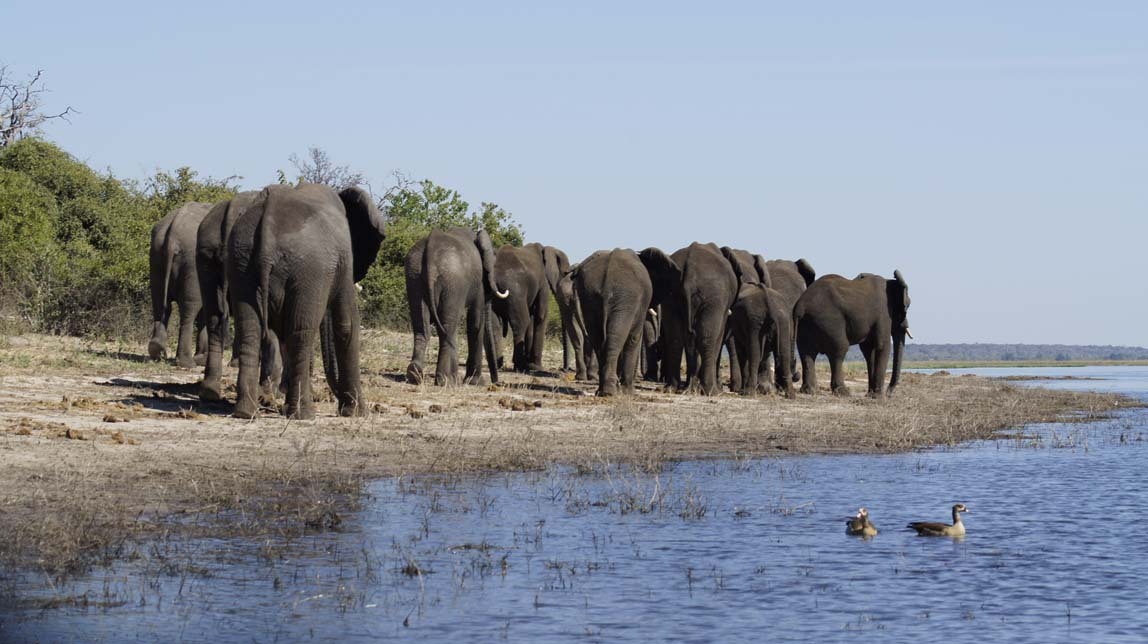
(101, 446)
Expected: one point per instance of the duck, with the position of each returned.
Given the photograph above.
(931, 529)
(860, 525)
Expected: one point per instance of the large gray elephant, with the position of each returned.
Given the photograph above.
(293, 259)
(835, 313)
(615, 290)
(451, 273)
(173, 279)
(751, 270)
(790, 279)
(573, 328)
(529, 272)
(694, 316)
(761, 322)
(210, 265)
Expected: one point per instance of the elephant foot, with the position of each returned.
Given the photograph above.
(300, 413)
(156, 350)
(580, 375)
(245, 409)
(234, 364)
(842, 391)
(350, 408)
(477, 379)
(186, 362)
(211, 390)
(789, 392)
(200, 359)
(876, 395)
(532, 367)
(809, 391)
(414, 374)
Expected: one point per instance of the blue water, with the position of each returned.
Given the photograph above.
(702, 551)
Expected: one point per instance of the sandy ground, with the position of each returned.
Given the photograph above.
(99, 443)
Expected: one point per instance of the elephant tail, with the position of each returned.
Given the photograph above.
(430, 280)
(169, 252)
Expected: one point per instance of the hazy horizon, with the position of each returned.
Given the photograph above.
(994, 154)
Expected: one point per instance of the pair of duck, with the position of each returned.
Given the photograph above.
(860, 525)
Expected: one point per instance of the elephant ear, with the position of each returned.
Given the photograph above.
(806, 270)
(665, 274)
(762, 269)
(731, 256)
(555, 264)
(367, 229)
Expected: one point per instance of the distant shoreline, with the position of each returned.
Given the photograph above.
(1018, 364)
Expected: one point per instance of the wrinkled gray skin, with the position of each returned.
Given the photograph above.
(211, 260)
(450, 273)
(615, 290)
(694, 317)
(761, 322)
(293, 259)
(750, 269)
(835, 313)
(530, 273)
(173, 278)
(573, 328)
(651, 344)
(790, 279)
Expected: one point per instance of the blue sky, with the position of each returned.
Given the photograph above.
(994, 152)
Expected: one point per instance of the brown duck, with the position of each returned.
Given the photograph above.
(860, 525)
(929, 529)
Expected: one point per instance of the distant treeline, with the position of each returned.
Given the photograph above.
(982, 352)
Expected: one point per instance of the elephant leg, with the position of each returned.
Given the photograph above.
(538, 332)
(488, 322)
(249, 340)
(190, 306)
(299, 349)
(576, 346)
(420, 325)
(808, 371)
(708, 335)
(345, 329)
(689, 348)
(628, 365)
(867, 350)
(474, 337)
(446, 369)
(272, 379)
(201, 338)
(837, 372)
(880, 362)
(212, 387)
(735, 380)
(161, 313)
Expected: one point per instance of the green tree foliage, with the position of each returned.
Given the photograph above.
(87, 234)
(412, 211)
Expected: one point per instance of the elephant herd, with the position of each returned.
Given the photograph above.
(626, 313)
(283, 264)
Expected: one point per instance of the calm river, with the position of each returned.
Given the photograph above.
(703, 551)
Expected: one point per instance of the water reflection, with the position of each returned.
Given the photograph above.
(702, 551)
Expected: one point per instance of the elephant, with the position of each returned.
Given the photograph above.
(173, 279)
(790, 279)
(529, 272)
(450, 273)
(694, 316)
(210, 263)
(761, 322)
(835, 313)
(573, 328)
(293, 259)
(750, 269)
(615, 290)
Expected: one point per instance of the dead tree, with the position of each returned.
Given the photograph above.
(20, 110)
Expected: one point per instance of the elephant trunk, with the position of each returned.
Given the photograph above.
(898, 349)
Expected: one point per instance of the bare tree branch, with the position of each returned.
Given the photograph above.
(20, 106)
(318, 168)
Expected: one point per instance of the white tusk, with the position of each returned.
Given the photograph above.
(729, 311)
(908, 334)
(502, 295)
(653, 312)
(358, 289)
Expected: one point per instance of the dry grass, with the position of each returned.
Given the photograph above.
(101, 447)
